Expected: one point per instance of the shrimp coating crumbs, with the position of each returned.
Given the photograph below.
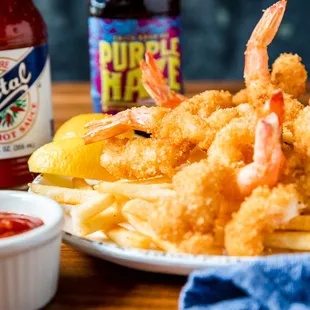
(261, 213)
(143, 158)
(302, 132)
(289, 74)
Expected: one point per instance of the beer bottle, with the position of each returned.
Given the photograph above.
(120, 31)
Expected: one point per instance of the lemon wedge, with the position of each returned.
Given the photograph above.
(70, 157)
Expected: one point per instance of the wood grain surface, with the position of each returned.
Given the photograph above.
(89, 283)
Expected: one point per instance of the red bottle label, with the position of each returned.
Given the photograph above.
(25, 101)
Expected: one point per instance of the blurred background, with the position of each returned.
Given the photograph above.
(214, 36)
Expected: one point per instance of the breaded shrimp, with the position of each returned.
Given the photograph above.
(180, 130)
(297, 171)
(161, 122)
(143, 158)
(119, 159)
(240, 97)
(199, 130)
(268, 159)
(145, 119)
(256, 70)
(259, 214)
(233, 149)
(233, 145)
(193, 185)
(289, 74)
(302, 132)
(219, 119)
(189, 218)
(155, 84)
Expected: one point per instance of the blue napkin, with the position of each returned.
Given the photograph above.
(280, 282)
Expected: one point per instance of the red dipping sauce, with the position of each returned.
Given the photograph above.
(12, 224)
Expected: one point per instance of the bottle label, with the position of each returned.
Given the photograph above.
(116, 49)
(25, 101)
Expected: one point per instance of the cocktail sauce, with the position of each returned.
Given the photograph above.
(12, 224)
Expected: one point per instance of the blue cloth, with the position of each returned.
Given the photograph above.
(280, 282)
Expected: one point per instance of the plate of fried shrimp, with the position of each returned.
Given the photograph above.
(223, 178)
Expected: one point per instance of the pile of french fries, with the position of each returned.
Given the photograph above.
(121, 210)
(118, 209)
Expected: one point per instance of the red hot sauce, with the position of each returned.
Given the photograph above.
(25, 90)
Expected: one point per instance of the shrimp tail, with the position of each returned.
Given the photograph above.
(267, 28)
(268, 159)
(142, 118)
(275, 105)
(155, 84)
(256, 70)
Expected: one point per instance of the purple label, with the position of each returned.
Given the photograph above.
(116, 49)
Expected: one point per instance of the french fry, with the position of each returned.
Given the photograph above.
(299, 223)
(140, 225)
(163, 181)
(144, 228)
(137, 207)
(148, 192)
(103, 221)
(80, 184)
(291, 240)
(129, 239)
(67, 209)
(92, 207)
(64, 195)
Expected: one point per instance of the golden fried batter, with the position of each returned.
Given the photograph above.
(289, 74)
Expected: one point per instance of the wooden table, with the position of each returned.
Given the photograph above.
(89, 283)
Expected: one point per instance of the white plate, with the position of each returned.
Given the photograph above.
(146, 260)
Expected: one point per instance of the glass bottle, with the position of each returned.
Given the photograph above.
(120, 31)
(25, 89)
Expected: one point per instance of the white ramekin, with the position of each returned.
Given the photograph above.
(29, 262)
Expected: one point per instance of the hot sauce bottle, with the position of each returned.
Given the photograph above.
(25, 89)
(120, 31)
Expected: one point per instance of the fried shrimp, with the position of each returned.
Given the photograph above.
(179, 130)
(259, 214)
(190, 216)
(191, 119)
(302, 132)
(289, 74)
(233, 149)
(256, 70)
(155, 84)
(240, 97)
(143, 119)
(184, 122)
(219, 119)
(143, 158)
(268, 159)
(193, 185)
